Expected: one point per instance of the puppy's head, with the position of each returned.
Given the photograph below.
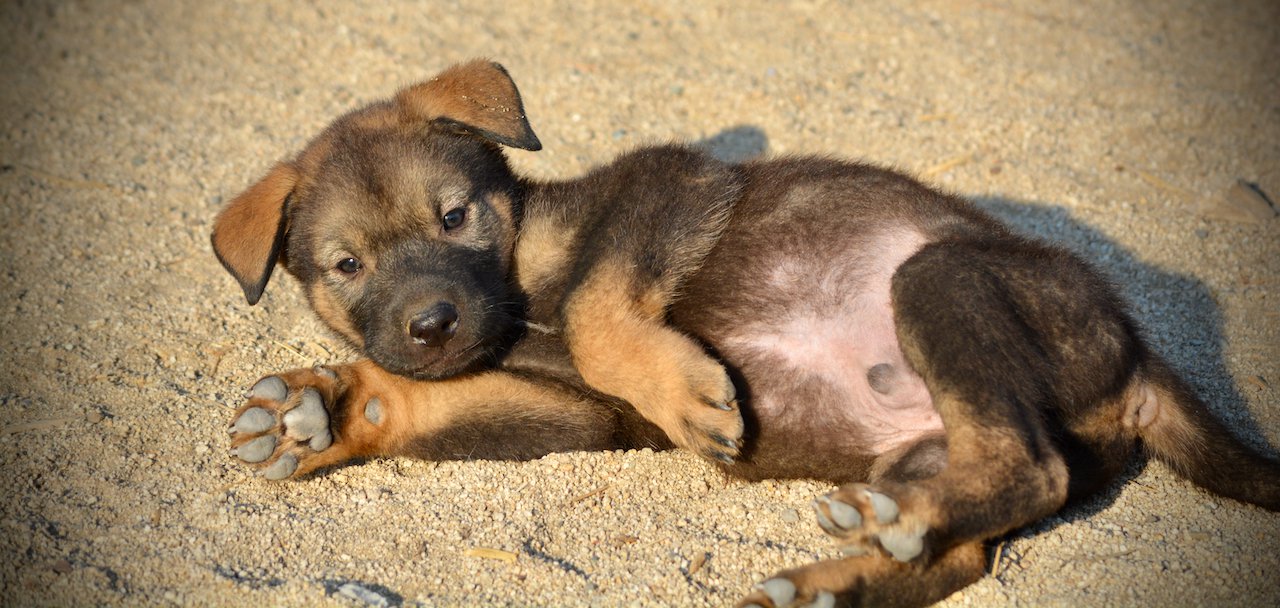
(399, 221)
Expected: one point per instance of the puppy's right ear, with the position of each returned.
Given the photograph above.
(249, 233)
(477, 97)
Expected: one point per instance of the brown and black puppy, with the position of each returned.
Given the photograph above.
(799, 317)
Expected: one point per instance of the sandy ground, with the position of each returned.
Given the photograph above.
(1120, 129)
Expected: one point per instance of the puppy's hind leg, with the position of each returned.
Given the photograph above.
(871, 580)
(961, 320)
(868, 578)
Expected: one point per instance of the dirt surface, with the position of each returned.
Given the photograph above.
(1119, 128)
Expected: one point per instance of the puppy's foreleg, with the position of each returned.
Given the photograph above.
(622, 346)
(302, 420)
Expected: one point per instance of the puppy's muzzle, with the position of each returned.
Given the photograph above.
(434, 326)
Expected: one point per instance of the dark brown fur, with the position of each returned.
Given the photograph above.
(766, 315)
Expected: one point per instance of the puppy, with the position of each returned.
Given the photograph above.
(798, 317)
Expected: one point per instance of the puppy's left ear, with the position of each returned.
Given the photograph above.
(476, 97)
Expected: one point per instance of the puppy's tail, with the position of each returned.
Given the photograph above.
(1178, 429)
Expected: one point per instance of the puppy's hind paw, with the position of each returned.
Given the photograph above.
(782, 592)
(866, 520)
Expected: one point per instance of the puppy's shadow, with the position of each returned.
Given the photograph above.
(736, 144)
(1176, 312)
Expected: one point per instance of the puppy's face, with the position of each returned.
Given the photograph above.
(403, 245)
(399, 220)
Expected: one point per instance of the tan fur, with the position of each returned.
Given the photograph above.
(622, 346)
(378, 118)
(541, 254)
(413, 412)
(334, 314)
(1176, 428)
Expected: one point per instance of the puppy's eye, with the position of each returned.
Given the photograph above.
(454, 218)
(349, 266)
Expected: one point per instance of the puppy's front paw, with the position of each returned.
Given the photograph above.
(703, 416)
(287, 428)
(667, 377)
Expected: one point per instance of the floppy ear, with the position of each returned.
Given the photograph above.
(476, 97)
(249, 233)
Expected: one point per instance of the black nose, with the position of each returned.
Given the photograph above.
(434, 326)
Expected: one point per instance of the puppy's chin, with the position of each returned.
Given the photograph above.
(443, 365)
(442, 370)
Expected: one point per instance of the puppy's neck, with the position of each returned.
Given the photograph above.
(544, 245)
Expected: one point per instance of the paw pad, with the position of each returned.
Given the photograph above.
(271, 388)
(866, 519)
(257, 450)
(886, 509)
(902, 545)
(282, 427)
(254, 420)
(309, 418)
(281, 468)
(373, 411)
(782, 593)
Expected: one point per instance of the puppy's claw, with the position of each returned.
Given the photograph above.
(724, 441)
(725, 458)
(721, 405)
(325, 372)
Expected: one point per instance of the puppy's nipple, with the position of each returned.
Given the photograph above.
(880, 377)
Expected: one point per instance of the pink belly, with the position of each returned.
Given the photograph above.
(834, 360)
